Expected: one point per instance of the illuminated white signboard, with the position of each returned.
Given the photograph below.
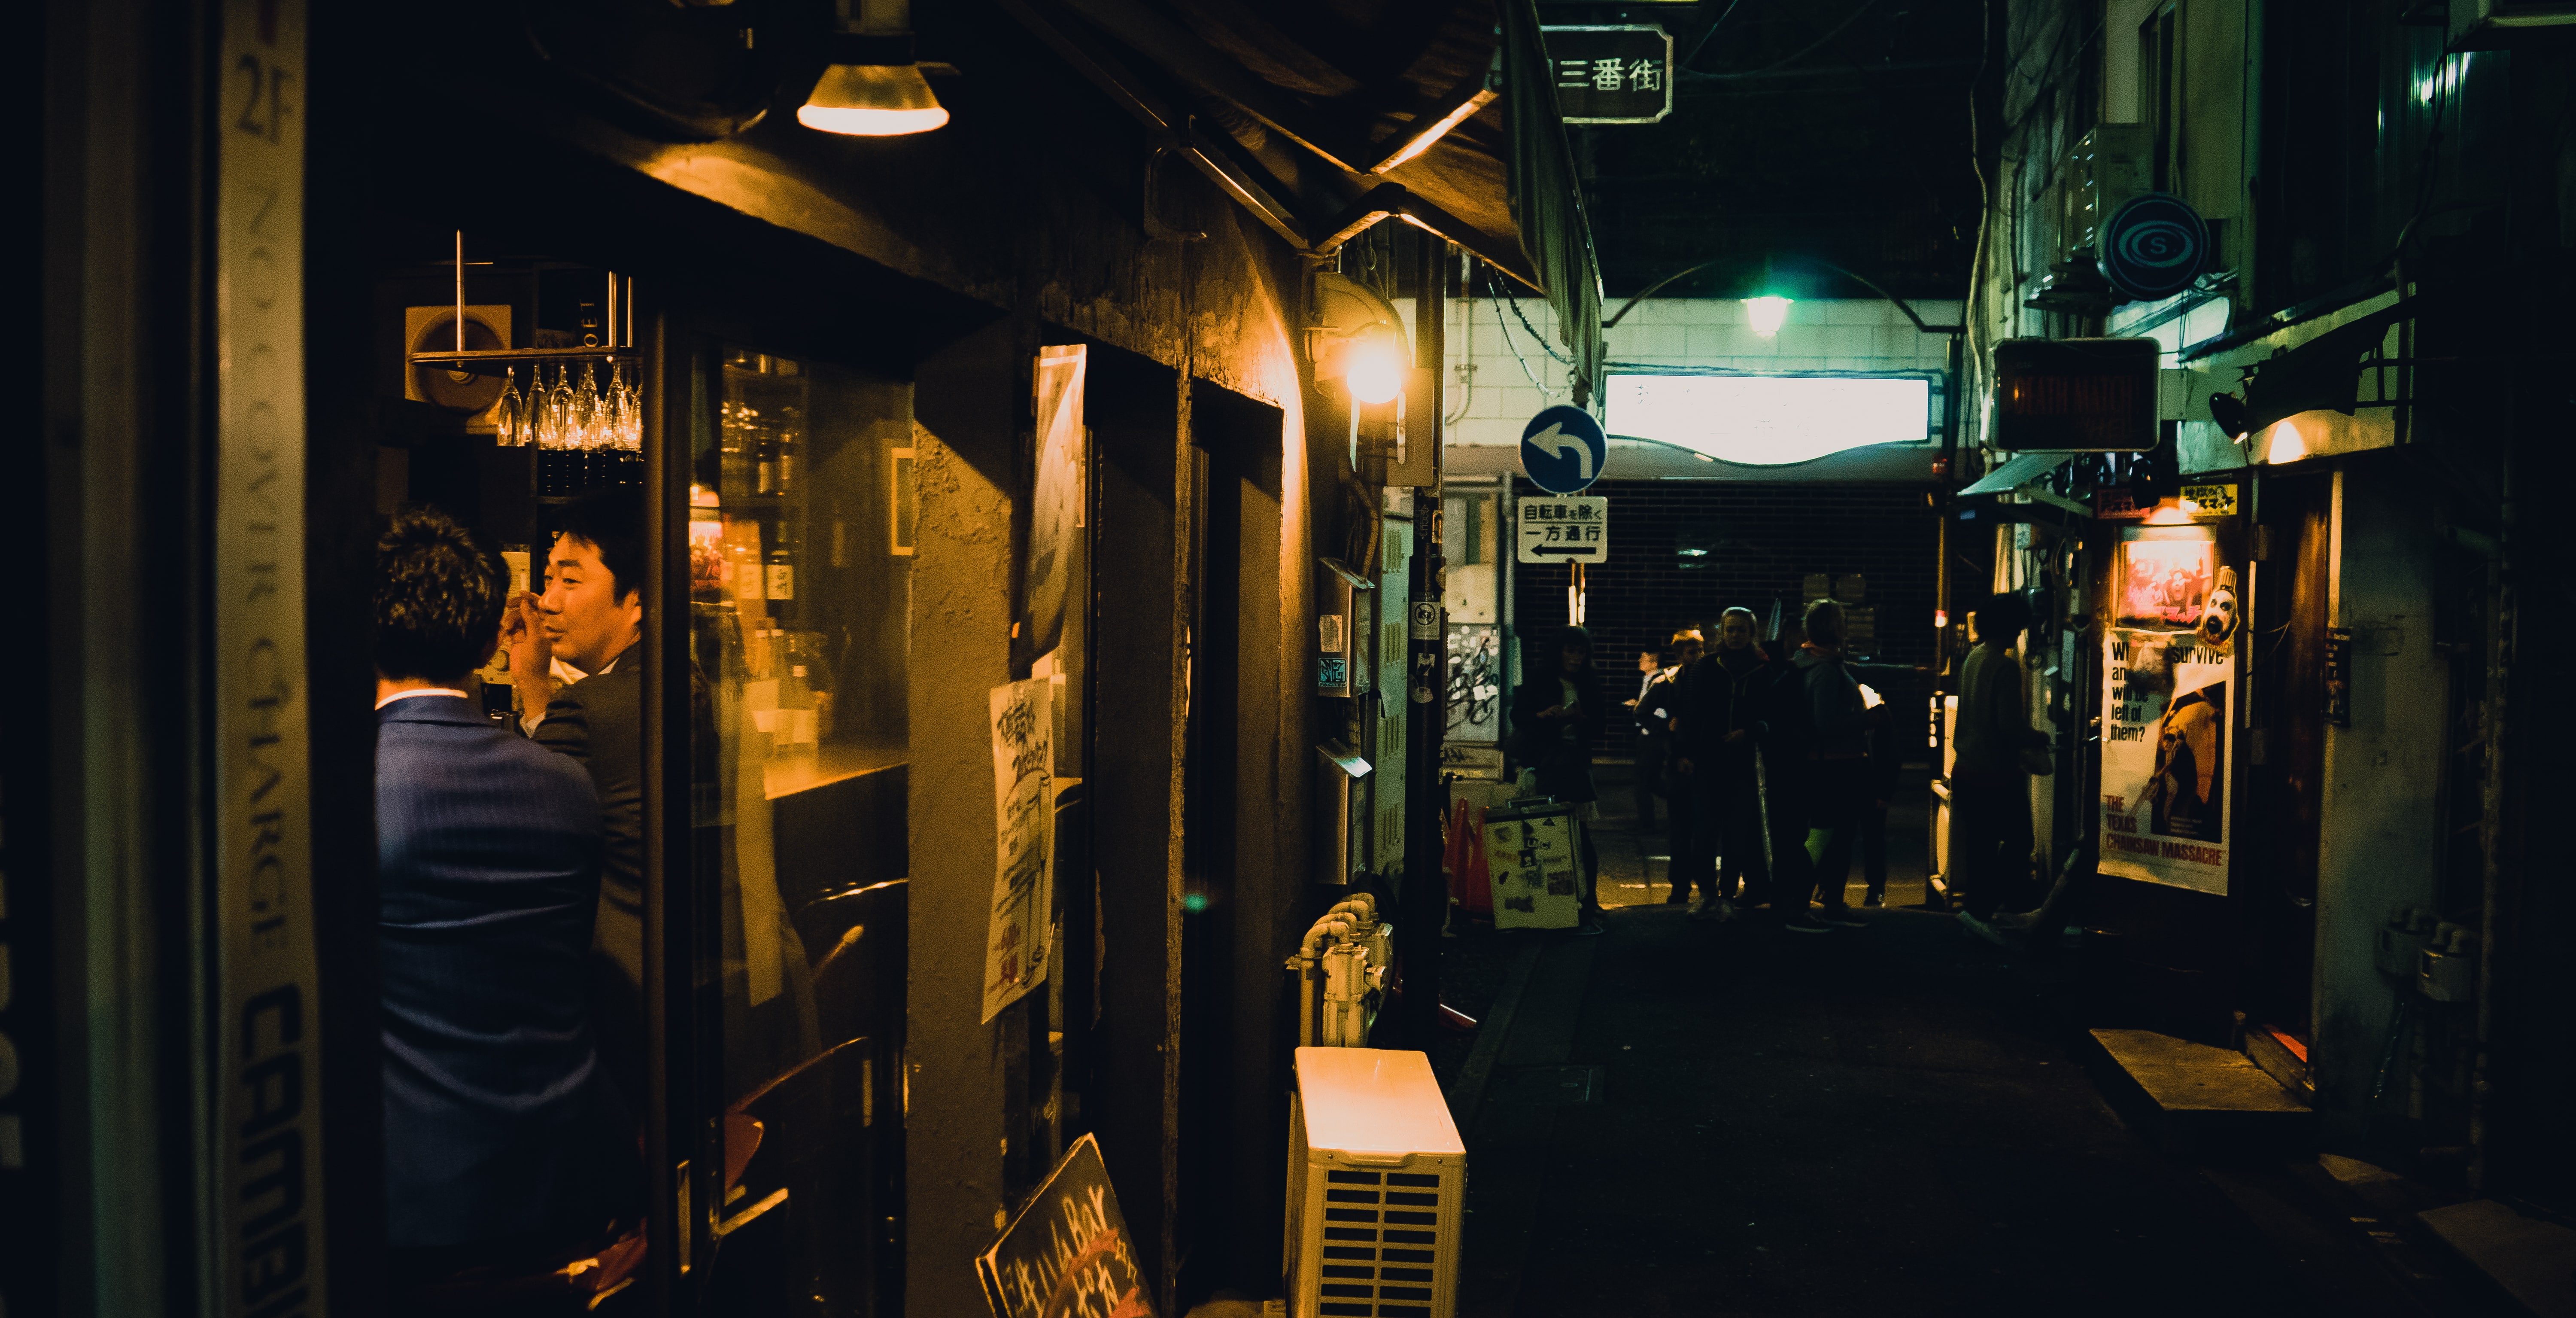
(1769, 420)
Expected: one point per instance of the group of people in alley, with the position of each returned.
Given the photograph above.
(1777, 762)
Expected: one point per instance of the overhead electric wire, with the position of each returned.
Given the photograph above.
(1523, 316)
(1702, 43)
(1810, 49)
(1493, 295)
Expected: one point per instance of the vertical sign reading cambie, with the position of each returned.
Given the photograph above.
(268, 1122)
(2166, 692)
(1016, 947)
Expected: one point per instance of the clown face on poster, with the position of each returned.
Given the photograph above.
(2167, 667)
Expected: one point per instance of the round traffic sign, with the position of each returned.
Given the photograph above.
(2153, 246)
(1563, 449)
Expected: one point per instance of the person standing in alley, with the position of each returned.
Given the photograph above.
(1993, 751)
(1657, 708)
(1555, 715)
(1651, 667)
(1720, 720)
(1834, 775)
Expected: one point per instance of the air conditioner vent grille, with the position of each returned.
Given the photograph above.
(1365, 1241)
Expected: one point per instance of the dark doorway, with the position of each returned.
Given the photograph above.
(2285, 667)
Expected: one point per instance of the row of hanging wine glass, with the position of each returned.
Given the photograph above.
(570, 415)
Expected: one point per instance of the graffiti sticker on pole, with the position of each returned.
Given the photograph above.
(1571, 529)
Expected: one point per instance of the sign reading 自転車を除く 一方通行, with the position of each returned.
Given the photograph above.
(1564, 530)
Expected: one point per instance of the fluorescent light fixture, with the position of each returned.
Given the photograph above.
(1769, 420)
(1766, 314)
(872, 100)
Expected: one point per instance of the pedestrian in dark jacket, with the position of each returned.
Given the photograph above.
(1556, 713)
(1835, 775)
(1990, 830)
(1724, 713)
(1657, 710)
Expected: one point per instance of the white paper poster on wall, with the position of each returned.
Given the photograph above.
(2165, 705)
(1019, 944)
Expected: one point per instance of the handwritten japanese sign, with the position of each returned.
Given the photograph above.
(1016, 951)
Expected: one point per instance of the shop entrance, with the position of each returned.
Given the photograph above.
(2285, 764)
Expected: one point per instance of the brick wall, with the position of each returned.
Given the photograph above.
(1762, 540)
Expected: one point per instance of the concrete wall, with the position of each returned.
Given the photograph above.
(2380, 844)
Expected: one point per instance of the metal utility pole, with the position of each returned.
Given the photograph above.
(1425, 899)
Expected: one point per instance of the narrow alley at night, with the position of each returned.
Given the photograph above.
(1293, 659)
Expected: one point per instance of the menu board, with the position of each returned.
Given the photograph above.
(1068, 1253)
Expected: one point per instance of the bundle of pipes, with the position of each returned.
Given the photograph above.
(1343, 959)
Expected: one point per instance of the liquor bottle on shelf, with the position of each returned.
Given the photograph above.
(790, 443)
(765, 453)
(779, 570)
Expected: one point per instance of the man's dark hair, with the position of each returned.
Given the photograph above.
(610, 519)
(2003, 617)
(1824, 622)
(439, 594)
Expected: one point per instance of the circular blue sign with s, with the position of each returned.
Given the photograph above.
(2153, 246)
(1563, 449)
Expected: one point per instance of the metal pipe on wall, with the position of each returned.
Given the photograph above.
(1425, 898)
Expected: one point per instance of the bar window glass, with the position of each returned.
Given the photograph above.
(800, 595)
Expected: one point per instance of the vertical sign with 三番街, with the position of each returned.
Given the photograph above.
(267, 1184)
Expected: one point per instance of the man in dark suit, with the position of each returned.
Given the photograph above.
(592, 617)
(502, 1146)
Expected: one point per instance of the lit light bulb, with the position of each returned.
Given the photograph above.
(872, 100)
(2287, 445)
(1373, 375)
(1766, 314)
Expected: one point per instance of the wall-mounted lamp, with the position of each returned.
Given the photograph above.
(873, 88)
(1373, 368)
(1358, 337)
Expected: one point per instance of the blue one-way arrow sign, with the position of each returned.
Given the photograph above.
(1563, 449)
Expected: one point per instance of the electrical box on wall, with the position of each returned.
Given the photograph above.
(1336, 620)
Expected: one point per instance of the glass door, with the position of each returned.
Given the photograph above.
(799, 599)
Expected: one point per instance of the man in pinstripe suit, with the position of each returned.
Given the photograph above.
(503, 1146)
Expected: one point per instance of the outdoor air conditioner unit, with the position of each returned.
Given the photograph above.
(1377, 1188)
(2107, 166)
